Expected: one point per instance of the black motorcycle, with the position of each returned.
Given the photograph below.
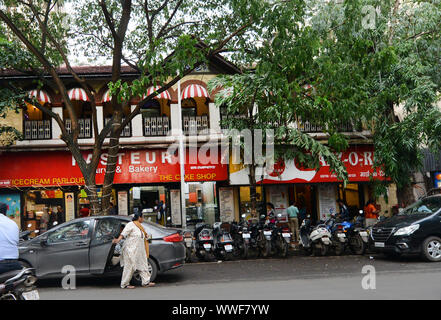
(18, 285)
(204, 242)
(223, 242)
(305, 239)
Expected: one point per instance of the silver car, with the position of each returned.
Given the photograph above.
(86, 244)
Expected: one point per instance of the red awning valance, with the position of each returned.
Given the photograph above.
(163, 95)
(40, 95)
(78, 94)
(194, 91)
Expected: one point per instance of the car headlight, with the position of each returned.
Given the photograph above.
(407, 230)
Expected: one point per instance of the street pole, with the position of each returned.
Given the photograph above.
(181, 158)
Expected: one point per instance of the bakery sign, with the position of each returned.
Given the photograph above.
(59, 168)
(357, 159)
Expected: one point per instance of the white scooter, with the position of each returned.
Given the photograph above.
(320, 240)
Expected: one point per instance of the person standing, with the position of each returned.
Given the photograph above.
(135, 252)
(84, 212)
(293, 221)
(60, 215)
(344, 212)
(113, 210)
(8, 242)
(370, 213)
(44, 221)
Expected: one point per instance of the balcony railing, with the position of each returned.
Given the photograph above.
(126, 132)
(195, 124)
(156, 126)
(85, 127)
(345, 126)
(37, 129)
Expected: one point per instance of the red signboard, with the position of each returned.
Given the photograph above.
(58, 168)
(357, 159)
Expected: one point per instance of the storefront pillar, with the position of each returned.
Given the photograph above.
(56, 131)
(214, 113)
(137, 125)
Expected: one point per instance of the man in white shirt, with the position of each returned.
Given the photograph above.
(8, 242)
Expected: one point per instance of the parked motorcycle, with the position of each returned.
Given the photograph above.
(350, 236)
(223, 242)
(281, 238)
(18, 285)
(204, 242)
(241, 234)
(264, 236)
(188, 240)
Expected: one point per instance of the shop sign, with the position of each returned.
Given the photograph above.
(27, 169)
(69, 206)
(327, 200)
(122, 203)
(358, 161)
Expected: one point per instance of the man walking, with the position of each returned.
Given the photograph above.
(293, 211)
(8, 242)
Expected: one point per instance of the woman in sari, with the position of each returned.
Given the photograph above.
(135, 252)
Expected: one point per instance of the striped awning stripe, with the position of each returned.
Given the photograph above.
(194, 91)
(163, 95)
(107, 97)
(78, 94)
(41, 96)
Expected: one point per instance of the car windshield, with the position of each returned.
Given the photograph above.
(426, 206)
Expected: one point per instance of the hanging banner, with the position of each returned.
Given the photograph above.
(175, 206)
(27, 169)
(278, 196)
(327, 200)
(357, 159)
(122, 203)
(69, 206)
(226, 204)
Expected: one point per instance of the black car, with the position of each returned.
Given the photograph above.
(415, 230)
(86, 244)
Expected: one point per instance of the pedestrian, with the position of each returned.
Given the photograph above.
(293, 221)
(370, 213)
(60, 215)
(344, 212)
(9, 235)
(135, 252)
(270, 213)
(44, 221)
(113, 211)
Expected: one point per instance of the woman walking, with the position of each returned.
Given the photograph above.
(135, 253)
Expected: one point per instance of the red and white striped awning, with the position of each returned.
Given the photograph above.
(194, 91)
(163, 95)
(41, 96)
(78, 94)
(107, 97)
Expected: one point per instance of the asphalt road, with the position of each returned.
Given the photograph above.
(296, 277)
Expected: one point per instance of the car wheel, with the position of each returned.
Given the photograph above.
(153, 268)
(431, 250)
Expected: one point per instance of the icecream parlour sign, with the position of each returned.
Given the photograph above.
(30, 169)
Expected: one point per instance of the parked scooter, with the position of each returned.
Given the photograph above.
(281, 238)
(18, 285)
(241, 234)
(204, 242)
(321, 239)
(305, 232)
(264, 236)
(223, 242)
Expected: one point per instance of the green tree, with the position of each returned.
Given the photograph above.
(163, 40)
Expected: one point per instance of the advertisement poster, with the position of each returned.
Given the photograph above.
(69, 205)
(175, 206)
(12, 200)
(226, 204)
(122, 203)
(327, 200)
(279, 198)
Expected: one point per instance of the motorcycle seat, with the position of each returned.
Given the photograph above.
(8, 275)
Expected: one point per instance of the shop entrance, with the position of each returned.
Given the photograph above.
(304, 197)
(152, 201)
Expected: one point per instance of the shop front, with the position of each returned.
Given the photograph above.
(314, 191)
(149, 179)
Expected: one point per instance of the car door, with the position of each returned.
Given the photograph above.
(67, 245)
(101, 247)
